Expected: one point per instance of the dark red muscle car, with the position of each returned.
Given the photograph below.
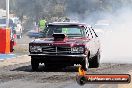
(66, 44)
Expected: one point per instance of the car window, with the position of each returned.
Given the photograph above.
(69, 31)
(74, 31)
(93, 33)
(88, 33)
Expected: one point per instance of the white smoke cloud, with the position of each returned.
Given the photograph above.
(117, 44)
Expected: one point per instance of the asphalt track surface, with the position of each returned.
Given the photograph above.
(22, 76)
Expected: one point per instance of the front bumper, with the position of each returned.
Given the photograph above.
(60, 55)
(59, 58)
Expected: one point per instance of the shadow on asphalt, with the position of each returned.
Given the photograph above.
(49, 69)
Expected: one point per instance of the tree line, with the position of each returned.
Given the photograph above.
(36, 9)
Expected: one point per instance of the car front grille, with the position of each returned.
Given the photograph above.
(56, 49)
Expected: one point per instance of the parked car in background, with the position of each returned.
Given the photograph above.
(66, 44)
(33, 34)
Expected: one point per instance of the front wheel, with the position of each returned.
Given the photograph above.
(34, 64)
(95, 61)
(85, 64)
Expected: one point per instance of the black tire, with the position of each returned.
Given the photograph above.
(48, 65)
(70, 64)
(95, 61)
(34, 64)
(85, 64)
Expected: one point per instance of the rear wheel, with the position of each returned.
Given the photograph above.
(48, 65)
(95, 61)
(34, 64)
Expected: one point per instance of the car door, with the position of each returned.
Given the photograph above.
(96, 40)
(90, 44)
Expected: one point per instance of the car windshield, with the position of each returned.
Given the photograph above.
(69, 31)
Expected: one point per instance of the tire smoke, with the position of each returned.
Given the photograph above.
(116, 43)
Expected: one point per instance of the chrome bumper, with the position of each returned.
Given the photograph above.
(58, 55)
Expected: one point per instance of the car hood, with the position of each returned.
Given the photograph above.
(67, 42)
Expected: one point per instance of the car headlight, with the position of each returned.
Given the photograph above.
(81, 49)
(35, 49)
(78, 49)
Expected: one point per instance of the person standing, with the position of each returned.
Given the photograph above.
(42, 25)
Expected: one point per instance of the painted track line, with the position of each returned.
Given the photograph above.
(12, 57)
